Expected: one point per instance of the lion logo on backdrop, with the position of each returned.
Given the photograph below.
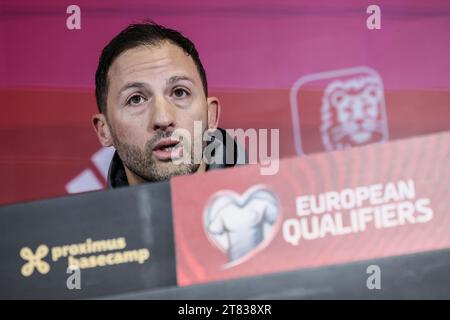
(241, 225)
(351, 113)
(349, 103)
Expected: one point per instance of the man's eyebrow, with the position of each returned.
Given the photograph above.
(175, 79)
(141, 85)
(129, 85)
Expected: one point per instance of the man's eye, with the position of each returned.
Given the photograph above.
(180, 93)
(136, 100)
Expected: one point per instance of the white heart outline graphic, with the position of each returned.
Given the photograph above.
(224, 198)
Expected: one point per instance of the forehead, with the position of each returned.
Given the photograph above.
(148, 62)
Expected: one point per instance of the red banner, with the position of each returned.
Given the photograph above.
(367, 202)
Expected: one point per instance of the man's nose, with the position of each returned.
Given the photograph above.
(163, 115)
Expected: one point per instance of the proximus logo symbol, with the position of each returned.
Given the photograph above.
(34, 260)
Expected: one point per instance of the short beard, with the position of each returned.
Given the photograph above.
(144, 166)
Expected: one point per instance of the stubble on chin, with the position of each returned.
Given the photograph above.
(142, 163)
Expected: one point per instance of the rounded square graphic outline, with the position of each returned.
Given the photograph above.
(325, 75)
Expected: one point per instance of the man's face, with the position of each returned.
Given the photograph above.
(154, 90)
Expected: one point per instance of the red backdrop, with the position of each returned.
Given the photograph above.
(272, 64)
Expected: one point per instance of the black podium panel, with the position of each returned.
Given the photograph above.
(120, 240)
(417, 276)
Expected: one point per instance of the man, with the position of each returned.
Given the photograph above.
(150, 83)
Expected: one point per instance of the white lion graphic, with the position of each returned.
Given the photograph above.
(352, 113)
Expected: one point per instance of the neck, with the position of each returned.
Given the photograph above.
(132, 178)
(202, 167)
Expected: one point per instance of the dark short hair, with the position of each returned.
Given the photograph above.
(135, 35)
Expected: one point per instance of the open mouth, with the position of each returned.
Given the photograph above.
(164, 149)
(166, 145)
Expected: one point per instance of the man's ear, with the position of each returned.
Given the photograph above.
(213, 112)
(102, 129)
